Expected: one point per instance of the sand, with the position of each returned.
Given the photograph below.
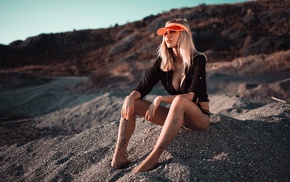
(255, 149)
(52, 132)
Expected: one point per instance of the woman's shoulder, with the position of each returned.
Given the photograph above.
(198, 57)
(157, 62)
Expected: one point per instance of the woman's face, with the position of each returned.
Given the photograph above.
(171, 38)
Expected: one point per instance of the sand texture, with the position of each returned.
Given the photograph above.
(64, 135)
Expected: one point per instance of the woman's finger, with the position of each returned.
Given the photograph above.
(152, 111)
(132, 111)
(129, 113)
(147, 115)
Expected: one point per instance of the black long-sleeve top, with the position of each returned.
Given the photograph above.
(195, 79)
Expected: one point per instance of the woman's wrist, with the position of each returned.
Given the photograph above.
(135, 95)
(158, 98)
(129, 97)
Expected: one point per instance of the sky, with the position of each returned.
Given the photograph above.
(20, 19)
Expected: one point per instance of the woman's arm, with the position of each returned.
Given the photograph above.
(169, 98)
(135, 94)
(150, 79)
(198, 83)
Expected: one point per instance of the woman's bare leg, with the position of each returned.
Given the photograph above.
(175, 118)
(127, 128)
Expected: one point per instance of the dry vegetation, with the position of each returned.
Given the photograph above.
(223, 32)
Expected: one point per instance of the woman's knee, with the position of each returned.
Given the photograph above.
(179, 101)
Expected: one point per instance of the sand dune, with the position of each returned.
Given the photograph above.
(256, 149)
(50, 131)
(77, 143)
(28, 95)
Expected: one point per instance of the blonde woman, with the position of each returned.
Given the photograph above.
(181, 70)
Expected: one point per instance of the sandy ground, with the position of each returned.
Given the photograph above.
(49, 131)
(255, 149)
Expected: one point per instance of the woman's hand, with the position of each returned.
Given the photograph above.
(128, 107)
(152, 108)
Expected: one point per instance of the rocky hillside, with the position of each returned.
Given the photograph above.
(223, 32)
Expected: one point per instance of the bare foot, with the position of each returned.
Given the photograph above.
(145, 166)
(119, 164)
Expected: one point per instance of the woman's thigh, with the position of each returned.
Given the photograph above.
(141, 107)
(194, 118)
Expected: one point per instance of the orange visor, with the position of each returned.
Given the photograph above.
(171, 26)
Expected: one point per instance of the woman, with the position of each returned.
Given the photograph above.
(181, 69)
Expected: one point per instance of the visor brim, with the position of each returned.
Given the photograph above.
(161, 31)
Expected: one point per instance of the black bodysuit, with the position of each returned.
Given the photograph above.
(195, 79)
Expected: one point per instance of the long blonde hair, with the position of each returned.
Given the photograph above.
(185, 48)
